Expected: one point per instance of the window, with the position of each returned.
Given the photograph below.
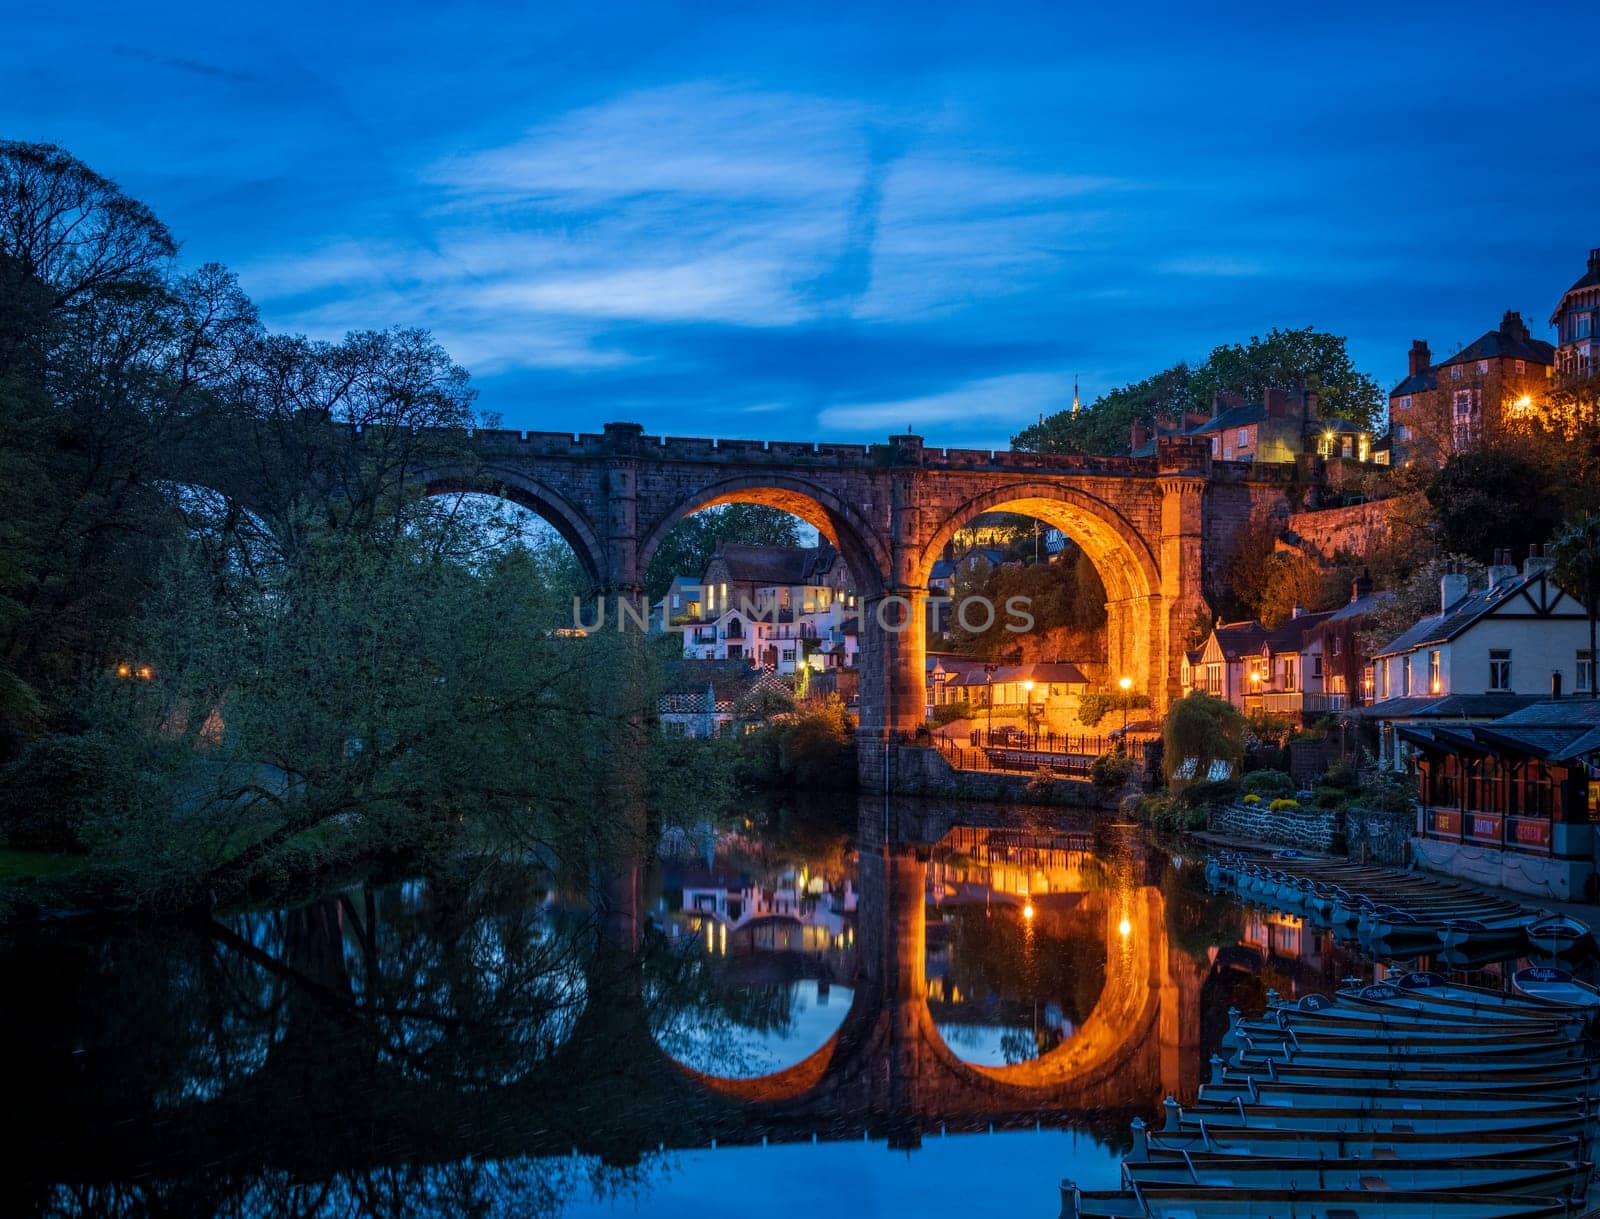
(1585, 670)
(1405, 679)
(1333, 645)
(1522, 367)
(1383, 679)
(1402, 432)
(1288, 674)
(1214, 679)
(1483, 368)
(1455, 372)
(1243, 437)
(1433, 671)
(1468, 416)
(1316, 664)
(1499, 668)
(1216, 445)
(1405, 403)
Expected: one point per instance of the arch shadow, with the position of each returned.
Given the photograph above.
(505, 482)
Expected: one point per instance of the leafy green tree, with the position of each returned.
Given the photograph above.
(1575, 554)
(689, 545)
(1490, 497)
(1288, 359)
(1284, 359)
(1198, 732)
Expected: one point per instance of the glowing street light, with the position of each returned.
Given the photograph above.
(1124, 928)
(1027, 910)
(1126, 684)
(1033, 733)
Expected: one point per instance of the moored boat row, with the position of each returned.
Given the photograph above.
(1416, 1097)
(1396, 912)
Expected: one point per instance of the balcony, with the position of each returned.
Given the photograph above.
(1295, 702)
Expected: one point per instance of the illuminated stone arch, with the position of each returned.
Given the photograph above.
(1124, 558)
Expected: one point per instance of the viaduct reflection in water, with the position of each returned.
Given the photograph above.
(377, 1048)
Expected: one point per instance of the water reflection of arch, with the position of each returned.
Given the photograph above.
(888, 1056)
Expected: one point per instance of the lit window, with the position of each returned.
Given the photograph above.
(1433, 671)
(1499, 669)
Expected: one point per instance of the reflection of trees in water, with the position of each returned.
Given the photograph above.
(286, 1051)
(1014, 972)
(699, 1004)
(507, 1187)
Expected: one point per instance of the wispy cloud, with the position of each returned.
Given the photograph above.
(690, 205)
(993, 403)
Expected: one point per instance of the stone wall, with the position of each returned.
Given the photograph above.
(920, 771)
(1377, 837)
(1355, 529)
(1314, 829)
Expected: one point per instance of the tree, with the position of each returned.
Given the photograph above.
(1292, 359)
(1491, 497)
(1285, 359)
(1575, 555)
(689, 545)
(1199, 732)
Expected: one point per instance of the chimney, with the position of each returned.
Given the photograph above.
(1420, 359)
(1452, 588)
(1361, 586)
(1594, 261)
(1537, 560)
(1502, 569)
(1225, 400)
(1276, 401)
(1139, 434)
(1513, 327)
(1313, 402)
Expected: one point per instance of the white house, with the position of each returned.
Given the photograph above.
(1484, 655)
(1277, 670)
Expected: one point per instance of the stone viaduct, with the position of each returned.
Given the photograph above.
(1152, 526)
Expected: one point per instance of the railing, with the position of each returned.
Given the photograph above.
(1051, 742)
(1483, 827)
(1022, 759)
(1296, 702)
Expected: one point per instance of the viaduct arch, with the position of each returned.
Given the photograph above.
(1153, 526)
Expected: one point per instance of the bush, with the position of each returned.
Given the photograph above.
(949, 713)
(1330, 797)
(1211, 794)
(1167, 815)
(1279, 806)
(1342, 775)
(1093, 704)
(1267, 783)
(1110, 771)
(53, 792)
(1252, 798)
(1386, 794)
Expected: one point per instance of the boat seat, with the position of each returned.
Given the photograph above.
(1374, 1183)
(1385, 1153)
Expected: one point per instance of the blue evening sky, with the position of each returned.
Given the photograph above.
(834, 222)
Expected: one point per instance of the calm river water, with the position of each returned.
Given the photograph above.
(842, 1008)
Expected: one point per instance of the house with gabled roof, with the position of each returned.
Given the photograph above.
(1446, 408)
(1488, 652)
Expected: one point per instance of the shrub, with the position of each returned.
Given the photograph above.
(1093, 704)
(1167, 815)
(1267, 783)
(1211, 794)
(1110, 771)
(53, 792)
(1252, 798)
(1386, 794)
(1279, 806)
(1342, 774)
(1330, 797)
(949, 713)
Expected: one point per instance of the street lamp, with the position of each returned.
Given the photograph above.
(1033, 733)
(1127, 684)
(988, 700)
